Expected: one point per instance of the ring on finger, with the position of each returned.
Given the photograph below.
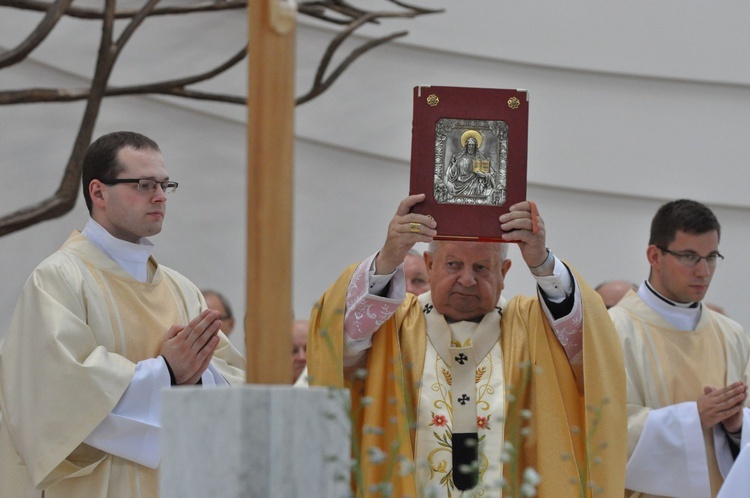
(414, 227)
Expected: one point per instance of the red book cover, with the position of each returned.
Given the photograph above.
(468, 156)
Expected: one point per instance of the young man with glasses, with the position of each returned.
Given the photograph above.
(687, 366)
(100, 329)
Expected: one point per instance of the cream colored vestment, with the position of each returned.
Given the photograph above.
(669, 454)
(80, 326)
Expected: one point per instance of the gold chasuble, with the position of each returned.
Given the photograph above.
(80, 326)
(576, 436)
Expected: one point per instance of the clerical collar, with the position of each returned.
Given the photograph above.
(682, 316)
(133, 258)
(667, 300)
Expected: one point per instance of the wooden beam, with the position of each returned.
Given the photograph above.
(270, 190)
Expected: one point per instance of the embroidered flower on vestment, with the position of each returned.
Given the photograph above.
(439, 420)
(482, 422)
(427, 308)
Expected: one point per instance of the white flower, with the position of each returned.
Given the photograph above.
(526, 414)
(406, 467)
(386, 489)
(531, 476)
(360, 373)
(528, 490)
(376, 455)
(366, 400)
(464, 469)
(432, 491)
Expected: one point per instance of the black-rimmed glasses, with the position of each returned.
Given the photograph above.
(144, 184)
(691, 259)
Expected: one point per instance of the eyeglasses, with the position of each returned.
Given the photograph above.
(144, 184)
(690, 259)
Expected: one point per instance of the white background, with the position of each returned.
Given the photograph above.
(632, 104)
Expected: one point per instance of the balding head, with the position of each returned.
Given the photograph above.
(614, 290)
(299, 347)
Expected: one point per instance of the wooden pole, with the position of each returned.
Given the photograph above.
(270, 143)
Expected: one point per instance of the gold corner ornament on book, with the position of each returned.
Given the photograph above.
(469, 155)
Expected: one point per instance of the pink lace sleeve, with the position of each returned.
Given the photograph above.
(569, 329)
(366, 312)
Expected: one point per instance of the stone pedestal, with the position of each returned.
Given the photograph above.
(255, 441)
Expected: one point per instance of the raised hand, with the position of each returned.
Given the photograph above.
(404, 230)
(523, 225)
(723, 405)
(189, 348)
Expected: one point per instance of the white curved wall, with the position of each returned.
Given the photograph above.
(631, 105)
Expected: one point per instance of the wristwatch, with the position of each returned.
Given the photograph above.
(539, 270)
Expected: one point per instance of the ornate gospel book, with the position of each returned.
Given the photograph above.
(468, 155)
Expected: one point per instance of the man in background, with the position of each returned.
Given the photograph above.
(415, 272)
(613, 290)
(687, 366)
(299, 349)
(217, 301)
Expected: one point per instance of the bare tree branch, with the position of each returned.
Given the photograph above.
(54, 12)
(63, 200)
(97, 15)
(322, 83)
(337, 12)
(170, 87)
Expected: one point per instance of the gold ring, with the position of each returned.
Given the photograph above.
(414, 227)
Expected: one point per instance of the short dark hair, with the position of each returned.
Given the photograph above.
(223, 300)
(100, 161)
(683, 215)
